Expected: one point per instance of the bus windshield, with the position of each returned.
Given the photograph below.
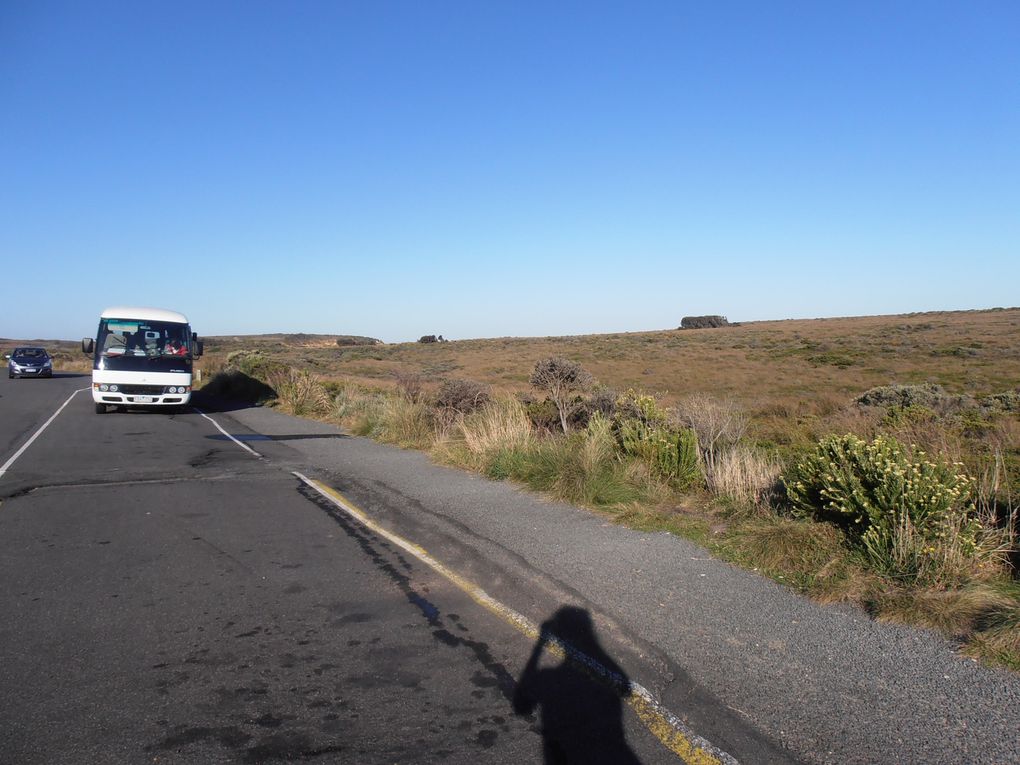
(134, 337)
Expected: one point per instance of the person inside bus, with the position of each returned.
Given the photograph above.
(136, 342)
(174, 347)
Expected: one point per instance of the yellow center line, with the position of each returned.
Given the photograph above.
(663, 724)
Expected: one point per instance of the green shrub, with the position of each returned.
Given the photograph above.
(583, 467)
(543, 415)
(898, 416)
(670, 453)
(1008, 401)
(911, 517)
(929, 396)
(254, 364)
(644, 432)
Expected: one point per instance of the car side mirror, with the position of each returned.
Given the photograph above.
(87, 345)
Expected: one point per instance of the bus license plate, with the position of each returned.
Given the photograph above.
(143, 399)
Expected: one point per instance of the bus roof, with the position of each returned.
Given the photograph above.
(146, 314)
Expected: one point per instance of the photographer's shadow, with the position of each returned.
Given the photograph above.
(580, 700)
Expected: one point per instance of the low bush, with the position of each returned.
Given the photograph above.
(912, 518)
(1008, 401)
(669, 453)
(460, 397)
(254, 364)
(543, 415)
(929, 396)
(347, 341)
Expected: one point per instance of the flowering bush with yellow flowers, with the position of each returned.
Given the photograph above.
(912, 517)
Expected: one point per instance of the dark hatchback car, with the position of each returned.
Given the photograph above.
(30, 362)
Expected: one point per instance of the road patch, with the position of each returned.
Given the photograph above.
(669, 729)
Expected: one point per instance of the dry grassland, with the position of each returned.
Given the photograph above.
(781, 369)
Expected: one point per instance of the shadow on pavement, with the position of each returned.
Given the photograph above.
(212, 403)
(264, 437)
(580, 712)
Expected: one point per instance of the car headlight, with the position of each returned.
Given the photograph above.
(48, 363)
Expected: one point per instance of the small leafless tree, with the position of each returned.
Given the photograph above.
(561, 378)
(719, 425)
(411, 385)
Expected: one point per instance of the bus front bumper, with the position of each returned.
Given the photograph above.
(128, 395)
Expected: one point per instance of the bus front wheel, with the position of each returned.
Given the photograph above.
(100, 408)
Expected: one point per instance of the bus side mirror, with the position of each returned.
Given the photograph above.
(196, 344)
(87, 345)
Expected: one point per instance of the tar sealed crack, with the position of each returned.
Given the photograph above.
(380, 552)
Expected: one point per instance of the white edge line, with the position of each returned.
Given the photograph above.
(35, 435)
(221, 430)
(526, 625)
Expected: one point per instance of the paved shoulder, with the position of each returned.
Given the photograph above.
(826, 682)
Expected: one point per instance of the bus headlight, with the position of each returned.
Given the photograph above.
(113, 389)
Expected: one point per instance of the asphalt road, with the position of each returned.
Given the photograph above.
(169, 596)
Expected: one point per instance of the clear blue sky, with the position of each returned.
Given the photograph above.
(480, 169)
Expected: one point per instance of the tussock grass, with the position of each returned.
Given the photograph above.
(584, 468)
(960, 612)
(298, 392)
(998, 637)
(809, 555)
(500, 425)
(407, 422)
(748, 476)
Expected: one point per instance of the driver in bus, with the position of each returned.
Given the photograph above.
(136, 342)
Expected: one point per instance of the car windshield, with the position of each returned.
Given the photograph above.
(31, 353)
(133, 337)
